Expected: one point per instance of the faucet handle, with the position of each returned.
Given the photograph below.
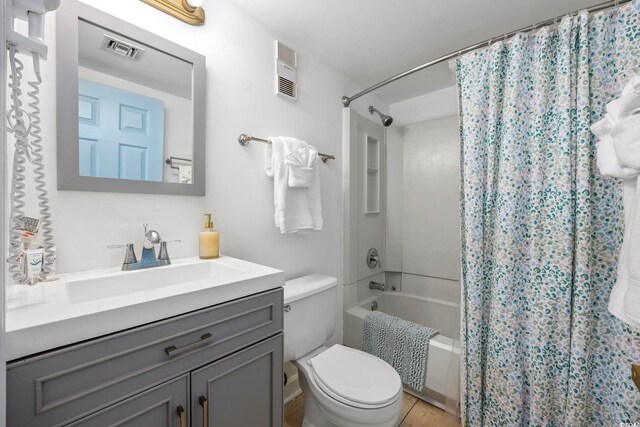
(373, 259)
(151, 237)
(129, 255)
(163, 255)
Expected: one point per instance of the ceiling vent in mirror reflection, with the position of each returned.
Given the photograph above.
(121, 48)
(286, 71)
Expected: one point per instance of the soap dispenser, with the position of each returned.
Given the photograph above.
(209, 240)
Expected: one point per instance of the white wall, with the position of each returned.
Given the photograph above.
(86, 222)
(240, 99)
(423, 232)
(432, 105)
(431, 235)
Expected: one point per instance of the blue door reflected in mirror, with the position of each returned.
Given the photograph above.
(121, 133)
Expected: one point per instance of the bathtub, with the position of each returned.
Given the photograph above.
(443, 365)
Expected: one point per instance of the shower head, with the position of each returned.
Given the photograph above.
(386, 120)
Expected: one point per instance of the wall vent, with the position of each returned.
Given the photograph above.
(121, 48)
(286, 71)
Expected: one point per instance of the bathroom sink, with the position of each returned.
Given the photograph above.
(128, 282)
(89, 304)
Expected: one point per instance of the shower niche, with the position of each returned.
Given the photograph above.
(372, 179)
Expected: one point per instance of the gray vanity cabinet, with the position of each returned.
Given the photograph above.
(244, 389)
(142, 376)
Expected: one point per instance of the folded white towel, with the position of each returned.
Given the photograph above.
(268, 160)
(296, 208)
(632, 248)
(619, 295)
(185, 174)
(626, 141)
(608, 162)
(302, 163)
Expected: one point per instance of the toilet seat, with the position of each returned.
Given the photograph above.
(355, 378)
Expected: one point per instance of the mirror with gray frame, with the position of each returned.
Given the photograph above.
(130, 107)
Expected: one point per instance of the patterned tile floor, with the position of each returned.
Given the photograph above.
(415, 413)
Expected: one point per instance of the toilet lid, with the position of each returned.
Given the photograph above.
(354, 377)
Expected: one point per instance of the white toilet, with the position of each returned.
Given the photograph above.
(342, 386)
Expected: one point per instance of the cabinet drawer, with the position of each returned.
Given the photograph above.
(64, 385)
(163, 406)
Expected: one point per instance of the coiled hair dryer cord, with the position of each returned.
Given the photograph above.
(28, 147)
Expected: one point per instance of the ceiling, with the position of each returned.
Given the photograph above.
(153, 68)
(371, 40)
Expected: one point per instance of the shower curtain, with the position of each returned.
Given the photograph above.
(541, 228)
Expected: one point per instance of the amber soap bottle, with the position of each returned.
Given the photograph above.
(209, 240)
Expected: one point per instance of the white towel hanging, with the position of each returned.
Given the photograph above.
(296, 208)
(619, 155)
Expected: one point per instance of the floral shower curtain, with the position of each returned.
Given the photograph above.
(541, 228)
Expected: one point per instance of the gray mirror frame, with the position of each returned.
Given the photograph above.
(68, 162)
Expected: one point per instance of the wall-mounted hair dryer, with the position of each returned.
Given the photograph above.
(25, 127)
(31, 11)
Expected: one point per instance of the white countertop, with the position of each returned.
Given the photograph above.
(58, 313)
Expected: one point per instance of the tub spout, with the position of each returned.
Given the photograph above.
(377, 286)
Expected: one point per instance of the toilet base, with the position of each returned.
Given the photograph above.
(313, 415)
(336, 414)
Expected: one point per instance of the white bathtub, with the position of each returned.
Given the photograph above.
(443, 365)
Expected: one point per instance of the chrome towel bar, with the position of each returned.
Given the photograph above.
(178, 160)
(244, 139)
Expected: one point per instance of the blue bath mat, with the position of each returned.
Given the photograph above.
(402, 344)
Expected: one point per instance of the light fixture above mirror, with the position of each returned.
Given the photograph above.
(189, 11)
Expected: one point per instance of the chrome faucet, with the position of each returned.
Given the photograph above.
(148, 258)
(377, 286)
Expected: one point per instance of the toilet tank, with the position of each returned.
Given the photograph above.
(310, 312)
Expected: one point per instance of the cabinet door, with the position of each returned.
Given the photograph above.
(244, 389)
(163, 406)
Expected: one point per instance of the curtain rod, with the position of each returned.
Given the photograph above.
(346, 100)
